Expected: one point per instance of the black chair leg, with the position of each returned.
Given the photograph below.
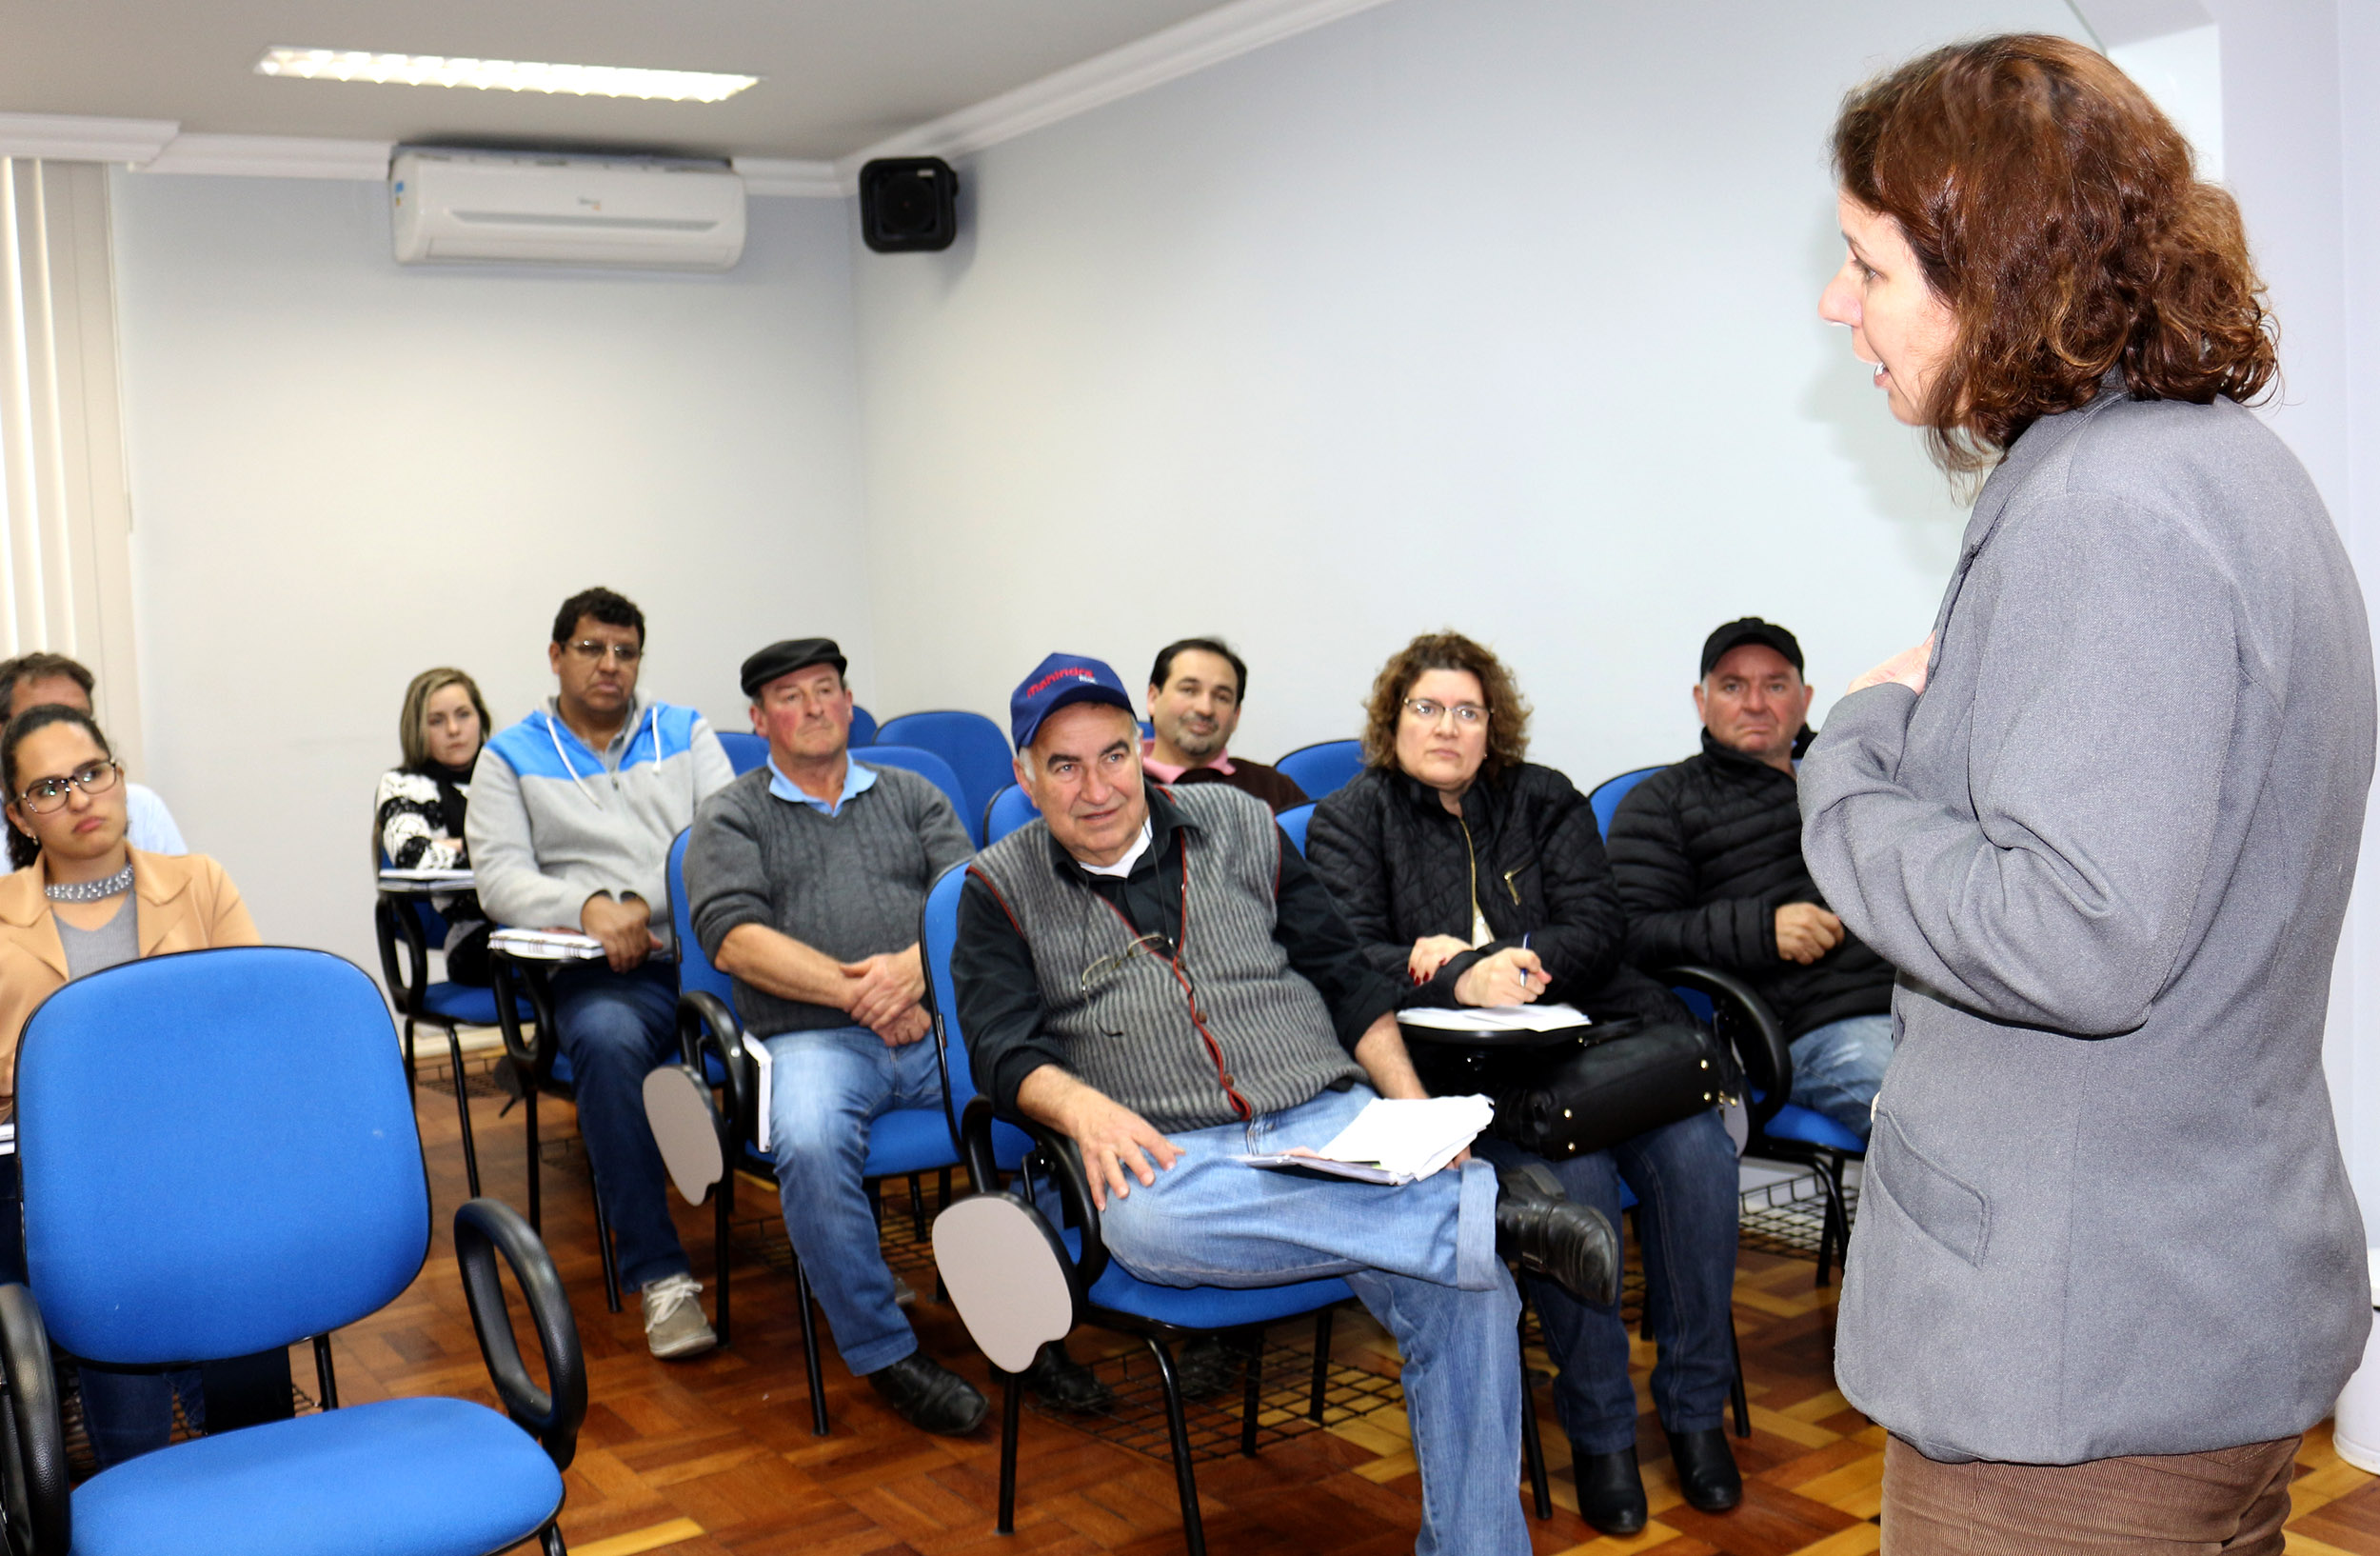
(809, 1350)
(1737, 1395)
(463, 1111)
(529, 1130)
(1532, 1441)
(1834, 1225)
(723, 1202)
(916, 1204)
(550, 1538)
(409, 1056)
(326, 1376)
(942, 1192)
(610, 1256)
(1253, 1388)
(1185, 1477)
(1011, 1396)
(1321, 1363)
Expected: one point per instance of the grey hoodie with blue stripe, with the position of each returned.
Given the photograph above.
(552, 821)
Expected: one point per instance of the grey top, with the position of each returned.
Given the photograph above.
(96, 950)
(848, 886)
(2109, 848)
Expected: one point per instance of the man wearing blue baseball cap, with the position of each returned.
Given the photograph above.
(1155, 975)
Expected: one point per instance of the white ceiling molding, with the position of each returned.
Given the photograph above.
(75, 137)
(273, 156)
(784, 176)
(1182, 49)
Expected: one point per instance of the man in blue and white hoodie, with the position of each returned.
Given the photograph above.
(572, 813)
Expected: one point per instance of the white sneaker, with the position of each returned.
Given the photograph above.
(674, 1324)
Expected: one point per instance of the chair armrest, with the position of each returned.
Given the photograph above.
(32, 1443)
(1065, 1170)
(706, 1022)
(509, 981)
(1747, 1025)
(482, 1228)
(394, 921)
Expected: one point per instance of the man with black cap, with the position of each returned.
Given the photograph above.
(1157, 975)
(805, 878)
(1707, 855)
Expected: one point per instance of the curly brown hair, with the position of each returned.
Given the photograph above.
(2055, 209)
(1507, 710)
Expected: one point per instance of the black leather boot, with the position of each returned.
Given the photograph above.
(1569, 1243)
(1611, 1492)
(1062, 1380)
(1706, 1469)
(929, 1396)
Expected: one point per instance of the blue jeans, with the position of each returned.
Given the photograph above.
(616, 1028)
(1684, 1178)
(825, 1088)
(1422, 1258)
(126, 1414)
(1839, 1066)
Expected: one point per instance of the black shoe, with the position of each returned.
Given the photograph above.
(1706, 1469)
(1206, 1366)
(929, 1396)
(1611, 1493)
(1062, 1380)
(1570, 1244)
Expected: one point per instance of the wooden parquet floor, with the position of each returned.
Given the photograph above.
(716, 1455)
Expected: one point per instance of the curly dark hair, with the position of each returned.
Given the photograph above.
(1508, 711)
(2055, 210)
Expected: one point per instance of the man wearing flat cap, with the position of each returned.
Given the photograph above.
(806, 878)
(1707, 855)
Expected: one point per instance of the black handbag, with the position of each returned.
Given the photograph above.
(1590, 1089)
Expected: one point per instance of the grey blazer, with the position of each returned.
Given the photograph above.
(2108, 851)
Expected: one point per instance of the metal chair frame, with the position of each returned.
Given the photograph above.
(532, 1061)
(397, 922)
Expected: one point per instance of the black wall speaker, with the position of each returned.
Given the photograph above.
(907, 204)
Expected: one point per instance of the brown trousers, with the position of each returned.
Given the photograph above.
(2232, 1501)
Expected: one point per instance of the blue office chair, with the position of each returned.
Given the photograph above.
(1780, 1130)
(295, 1204)
(1324, 767)
(1295, 821)
(1010, 808)
(937, 936)
(746, 750)
(974, 747)
(905, 1142)
(930, 764)
(863, 726)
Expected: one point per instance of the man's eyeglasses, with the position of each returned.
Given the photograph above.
(1469, 715)
(1160, 946)
(91, 778)
(592, 651)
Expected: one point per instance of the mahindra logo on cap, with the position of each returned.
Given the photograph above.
(1072, 673)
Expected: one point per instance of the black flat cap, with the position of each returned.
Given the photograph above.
(1749, 630)
(795, 654)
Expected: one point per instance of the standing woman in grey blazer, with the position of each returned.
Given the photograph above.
(2104, 821)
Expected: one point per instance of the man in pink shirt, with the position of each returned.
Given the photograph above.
(1195, 689)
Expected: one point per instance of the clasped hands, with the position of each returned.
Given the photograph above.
(886, 990)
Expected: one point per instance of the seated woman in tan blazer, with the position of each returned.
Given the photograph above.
(82, 901)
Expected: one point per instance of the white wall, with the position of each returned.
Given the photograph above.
(1497, 314)
(345, 471)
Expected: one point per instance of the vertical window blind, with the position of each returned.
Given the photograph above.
(65, 517)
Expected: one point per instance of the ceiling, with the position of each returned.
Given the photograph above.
(837, 76)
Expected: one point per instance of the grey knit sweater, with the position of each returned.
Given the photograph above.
(848, 886)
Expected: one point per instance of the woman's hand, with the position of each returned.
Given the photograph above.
(1908, 667)
(1513, 976)
(1430, 953)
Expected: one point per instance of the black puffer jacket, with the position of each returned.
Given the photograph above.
(1705, 853)
(1402, 866)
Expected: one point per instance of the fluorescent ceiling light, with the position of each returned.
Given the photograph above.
(500, 75)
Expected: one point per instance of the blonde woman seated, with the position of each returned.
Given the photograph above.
(418, 813)
(82, 901)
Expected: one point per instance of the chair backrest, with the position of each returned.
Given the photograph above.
(219, 1155)
(1010, 808)
(433, 923)
(863, 726)
(695, 973)
(1324, 767)
(746, 750)
(929, 765)
(973, 744)
(1605, 797)
(1295, 821)
(938, 933)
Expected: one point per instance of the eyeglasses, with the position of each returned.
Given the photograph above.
(1107, 967)
(91, 778)
(1470, 715)
(592, 651)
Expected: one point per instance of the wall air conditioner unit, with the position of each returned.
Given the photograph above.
(534, 209)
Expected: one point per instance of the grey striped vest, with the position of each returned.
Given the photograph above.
(1262, 1040)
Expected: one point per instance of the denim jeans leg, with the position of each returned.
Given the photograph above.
(616, 1028)
(1839, 1066)
(126, 1414)
(1684, 1175)
(825, 1089)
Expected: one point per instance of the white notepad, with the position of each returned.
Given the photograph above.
(547, 945)
(1494, 1018)
(1393, 1141)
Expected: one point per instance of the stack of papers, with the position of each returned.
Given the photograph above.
(456, 878)
(547, 945)
(1496, 1017)
(1393, 1141)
